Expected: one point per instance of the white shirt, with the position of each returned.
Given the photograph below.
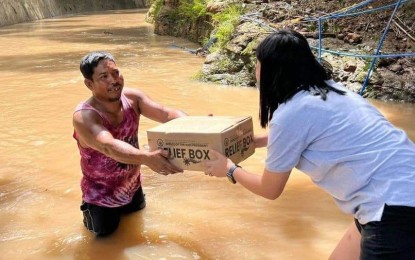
(347, 148)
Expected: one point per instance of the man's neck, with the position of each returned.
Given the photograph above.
(112, 107)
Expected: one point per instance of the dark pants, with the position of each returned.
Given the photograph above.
(103, 220)
(393, 237)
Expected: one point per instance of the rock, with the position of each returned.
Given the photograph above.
(215, 7)
(212, 58)
(395, 67)
(349, 67)
(384, 62)
(169, 3)
(341, 36)
(355, 87)
(353, 38)
(402, 62)
(367, 48)
(409, 85)
(375, 78)
(342, 76)
(239, 43)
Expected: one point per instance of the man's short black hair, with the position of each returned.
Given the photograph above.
(91, 60)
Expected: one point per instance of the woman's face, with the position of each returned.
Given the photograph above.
(258, 71)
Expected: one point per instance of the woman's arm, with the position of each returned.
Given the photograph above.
(268, 185)
(261, 140)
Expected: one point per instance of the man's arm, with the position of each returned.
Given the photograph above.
(151, 109)
(93, 134)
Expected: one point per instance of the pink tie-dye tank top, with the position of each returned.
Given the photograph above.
(106, 182)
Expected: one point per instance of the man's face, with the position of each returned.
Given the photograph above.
(107, 81)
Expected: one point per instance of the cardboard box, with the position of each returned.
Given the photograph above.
(189, 139)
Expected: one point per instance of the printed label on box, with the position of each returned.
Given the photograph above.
(189, 139)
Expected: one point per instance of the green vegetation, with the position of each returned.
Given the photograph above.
(249, 50)
(325, 26)
(192, 10)
(155, 8)
(368, 62)
(186, 10)
(312, 27)
(225, 63)
(336, 28)
(198, 75)
(226, 21)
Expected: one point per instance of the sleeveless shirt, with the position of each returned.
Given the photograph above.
(106, 182)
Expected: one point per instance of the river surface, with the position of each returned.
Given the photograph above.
(188, 215)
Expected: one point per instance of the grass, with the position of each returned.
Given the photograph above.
(187, 11)
(226, 22)
(155, 7)
(192, 9)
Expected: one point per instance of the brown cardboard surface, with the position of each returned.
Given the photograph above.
(189, 139)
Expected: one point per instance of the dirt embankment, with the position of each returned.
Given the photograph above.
(18, 11)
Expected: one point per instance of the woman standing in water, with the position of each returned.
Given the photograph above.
(338, 139)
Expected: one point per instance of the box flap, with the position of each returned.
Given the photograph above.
(207, 124)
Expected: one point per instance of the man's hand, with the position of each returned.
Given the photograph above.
(158, 162)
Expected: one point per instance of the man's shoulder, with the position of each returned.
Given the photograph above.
(132, 93)
(86, 112)
(135, 96)
(85, 104)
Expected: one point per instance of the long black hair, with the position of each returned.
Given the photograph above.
(287, 67)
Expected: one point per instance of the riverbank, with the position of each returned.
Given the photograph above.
(18, 11)
(238, 26)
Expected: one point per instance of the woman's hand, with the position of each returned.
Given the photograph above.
(218, 167)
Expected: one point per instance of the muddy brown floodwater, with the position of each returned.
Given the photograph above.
(188, 215)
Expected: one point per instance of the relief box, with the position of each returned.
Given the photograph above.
(189, 139)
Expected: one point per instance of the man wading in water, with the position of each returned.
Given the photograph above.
(106, 131)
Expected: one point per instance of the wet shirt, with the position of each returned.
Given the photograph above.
(106, 182)
(347, 148)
